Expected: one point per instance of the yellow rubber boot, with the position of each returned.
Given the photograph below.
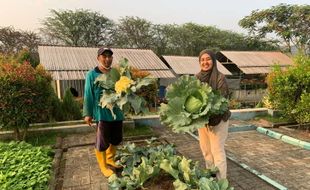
(111, 151)
(101, 158)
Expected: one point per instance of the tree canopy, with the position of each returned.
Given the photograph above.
(12, 40)
(77, 28)
(291, 23)
(91, 29)
(20, 45)
(133, 32)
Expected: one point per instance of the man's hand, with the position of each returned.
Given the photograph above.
(88, 120)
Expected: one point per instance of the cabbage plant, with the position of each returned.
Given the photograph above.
(190, 104)
(120, 89)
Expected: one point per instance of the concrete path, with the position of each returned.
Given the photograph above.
(287, 164)
(284, 163)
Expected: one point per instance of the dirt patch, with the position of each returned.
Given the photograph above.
(163, 181)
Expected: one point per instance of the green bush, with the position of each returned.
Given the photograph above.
(66, 109)
(27, 56)
(25, 96)
(70, 107)
(289, 90)
(24, 166)
(56, 109)
(301, 111)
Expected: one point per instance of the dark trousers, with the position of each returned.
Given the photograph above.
(108, 133)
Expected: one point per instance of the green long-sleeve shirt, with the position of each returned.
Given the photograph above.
(92, 94)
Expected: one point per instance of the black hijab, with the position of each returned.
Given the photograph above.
(213, 77)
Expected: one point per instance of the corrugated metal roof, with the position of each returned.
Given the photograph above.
(161, 73)
(69, 63)
(68, 75)
(80, 75)
(257, 58)
(258, 70)
(189, 65)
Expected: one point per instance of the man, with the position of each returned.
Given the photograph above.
(109, 131)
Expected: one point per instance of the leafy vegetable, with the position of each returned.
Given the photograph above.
(142, 163)
(23, 166)
(190, 104)
(193, 104)
(120, 89)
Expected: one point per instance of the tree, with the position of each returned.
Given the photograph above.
(189, 39)
(12, 40)
(199, 37)
(162, 38)
(255, 43)
(291, 23)
(25, 96)
(180, 40)
(77, 28)
(133, 32)
(22, 45)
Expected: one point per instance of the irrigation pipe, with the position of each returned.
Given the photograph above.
(284, 138)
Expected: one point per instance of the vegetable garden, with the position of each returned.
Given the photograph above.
(155, 160)
(23, 166)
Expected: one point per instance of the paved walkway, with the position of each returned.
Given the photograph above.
(287, 164)
(284, 163)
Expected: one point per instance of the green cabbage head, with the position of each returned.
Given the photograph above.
(190, 104)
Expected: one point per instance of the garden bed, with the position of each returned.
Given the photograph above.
(24, 166)
(155, 164)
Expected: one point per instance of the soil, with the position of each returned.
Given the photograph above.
(163, 181)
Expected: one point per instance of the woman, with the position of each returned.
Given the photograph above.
(212, 137)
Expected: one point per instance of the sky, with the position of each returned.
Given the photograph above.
(224, 14)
